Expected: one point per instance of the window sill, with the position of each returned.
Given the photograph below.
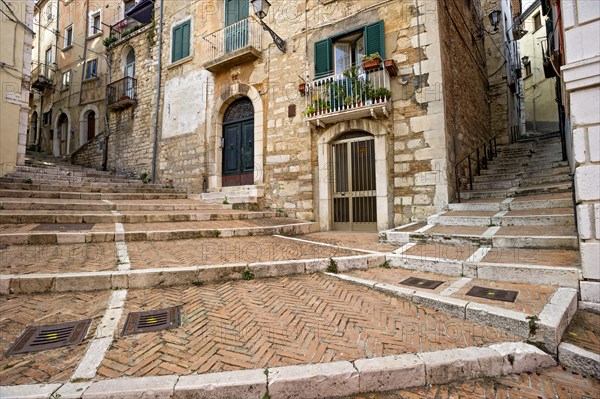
(181, 61)
(90, 79)
(95, 35)
(64, 89)
(66, 48)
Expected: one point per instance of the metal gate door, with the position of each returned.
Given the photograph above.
(354, 183)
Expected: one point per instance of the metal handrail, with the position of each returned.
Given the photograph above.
(485, 152)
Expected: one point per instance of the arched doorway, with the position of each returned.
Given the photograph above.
(354, 183)
(62, 133)
(33, 129)
(238, 143)
(90, 125)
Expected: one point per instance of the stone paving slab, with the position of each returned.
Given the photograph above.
(217, 251)
(218, 224)
(536, 231)
(441, 251)
(551, 383)
(28, 228)
(531, 298)
(281, 322)
(20, 311)
(66, 258)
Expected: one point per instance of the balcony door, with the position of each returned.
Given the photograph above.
(129, 72)
(238, 144)
(236, 24)
(63, 131)
(354, 183)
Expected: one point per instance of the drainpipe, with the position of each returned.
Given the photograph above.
(38, 139)
(155, 145)
(85, 34)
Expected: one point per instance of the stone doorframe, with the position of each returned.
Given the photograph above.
(83, 123)
(55, 140)
(235, 91)
(379, 132)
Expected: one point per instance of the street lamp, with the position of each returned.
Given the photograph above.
(261, 8)
(495, 19)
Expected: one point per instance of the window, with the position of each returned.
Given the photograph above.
(537, 21)
(95, 24)
(91, 69)
(235, 10)
(527, 68)
(47, 117)
(49, 13)
(336, 54)
(68, 36)
(180, 41)
(47, 62)
(66, 79)
(128, 5)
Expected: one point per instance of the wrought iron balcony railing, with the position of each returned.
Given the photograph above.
(42, 77)
(354, 94)
(125, 27)
(121, 93)
(238, 42)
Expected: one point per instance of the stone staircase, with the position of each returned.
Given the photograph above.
(516, 223)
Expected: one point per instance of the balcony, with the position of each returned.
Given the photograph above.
(353, 94)
(235, 44)
(122, 93)
(42, 78)
(124, 28)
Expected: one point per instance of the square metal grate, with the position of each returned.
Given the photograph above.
(63, 226)
(422, 283)
(493, 294)
(152, 320)
(52, 336)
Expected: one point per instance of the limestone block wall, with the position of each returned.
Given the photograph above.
(91, 154)
(581, 78)
(131, 130)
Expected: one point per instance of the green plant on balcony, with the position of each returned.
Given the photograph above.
(317, 106)
(381, 93)
(371, 61)
(109, 40)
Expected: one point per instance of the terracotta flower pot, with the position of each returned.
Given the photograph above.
(371, 64)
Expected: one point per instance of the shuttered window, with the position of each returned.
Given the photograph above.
(180, 43)
(374, 42)
(236, 10)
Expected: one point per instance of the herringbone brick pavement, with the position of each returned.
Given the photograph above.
(552, 383)
(20, 311)
(66, 258)
(214, 251)
(211, 224)
(584, 331)
(283, 321)
(531, 299)
(368, 241)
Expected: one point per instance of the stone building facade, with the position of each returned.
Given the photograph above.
(295, 130)
(15, 75)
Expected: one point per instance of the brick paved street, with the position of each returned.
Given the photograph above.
(584, 331)
(368, 241)
(530, 298)
(20, 311)
(284, 321)
(214, 251)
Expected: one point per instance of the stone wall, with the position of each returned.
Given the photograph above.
(91, 155)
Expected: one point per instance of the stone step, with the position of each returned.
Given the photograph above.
(496, 184)
(545, 189)
(90, 195)
(536, 181)
(515, 204)
(19, 176)
(154, 231)
(561, 171)
(485, 194)
(73, 169)
(530, 217)
(523, 167)
(77, 217)
(8, 203)
(88, 188)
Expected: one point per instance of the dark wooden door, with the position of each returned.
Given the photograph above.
(238, 143)
(91, 125)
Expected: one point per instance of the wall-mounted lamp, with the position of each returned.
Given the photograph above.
(525, 60)
(261, 8)
(495, 19)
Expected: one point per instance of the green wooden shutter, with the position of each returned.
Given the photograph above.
(230, 11)
(176, 44)
(185, 40)
(374, 39)
(323, 64)
(243, 9)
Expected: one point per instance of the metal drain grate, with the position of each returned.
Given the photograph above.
(63, 226)
(494, 294)
(422, 283)
(152, 320)
(52, 336)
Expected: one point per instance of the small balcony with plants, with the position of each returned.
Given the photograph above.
(236, 43)
(42, 77)
(122, 93)
(353, 94)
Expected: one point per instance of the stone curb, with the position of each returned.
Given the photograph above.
(158, 235)
(579, 359)
(164, 277)
(551, 323)
(311, 381)
(516, 273)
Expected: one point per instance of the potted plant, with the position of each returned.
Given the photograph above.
(391, 67)
(310, 110)
(381, 94)
(371, 61)
(302, 86)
